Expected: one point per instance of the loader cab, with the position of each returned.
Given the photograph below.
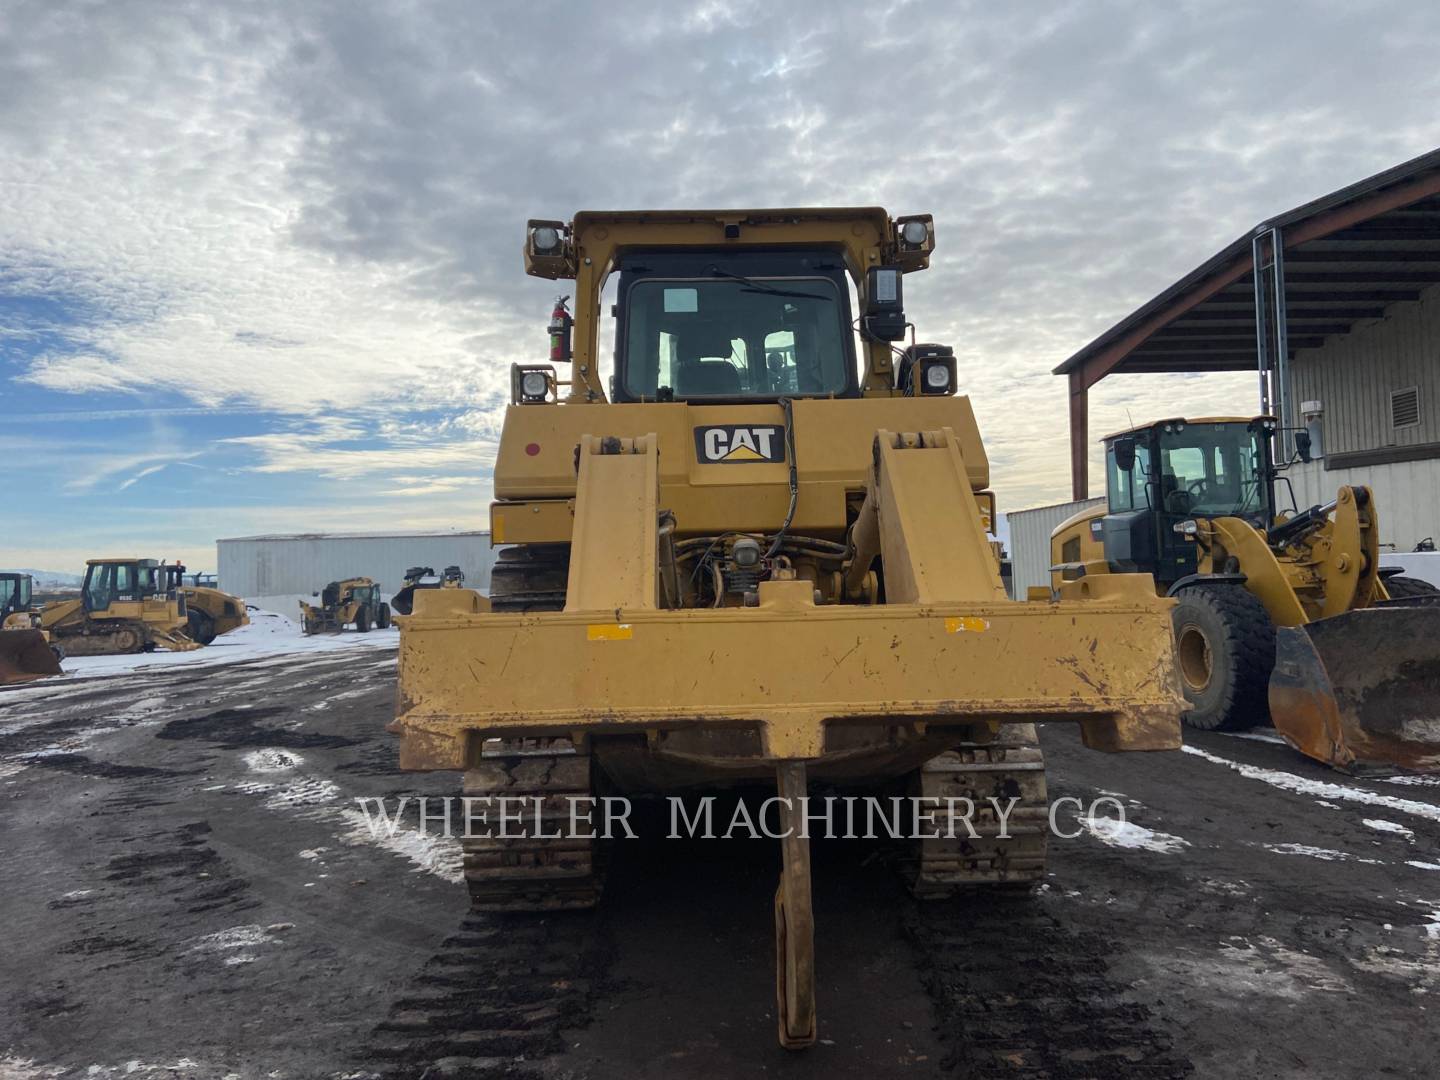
(110, 581)
(15, 591)
(725, 326)
(1172, 471)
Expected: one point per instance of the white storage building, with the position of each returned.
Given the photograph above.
(274, 572)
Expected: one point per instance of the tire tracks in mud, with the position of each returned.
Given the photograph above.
(1020, 996)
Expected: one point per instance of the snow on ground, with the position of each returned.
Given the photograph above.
(1338, 792)
(1324, 854)
(1381, 825)
(1126, 834)
(269, 634)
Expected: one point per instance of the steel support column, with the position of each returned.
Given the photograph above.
(1272, 344)
(1079, 435)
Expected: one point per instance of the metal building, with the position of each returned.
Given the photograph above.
(274, 572)
(1341, 325)
(1030, 542)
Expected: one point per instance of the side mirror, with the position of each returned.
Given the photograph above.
(1302, 445)
(1124, 448)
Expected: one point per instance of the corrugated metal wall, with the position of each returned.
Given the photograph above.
(1030, 542)
(1352, 377)
(1407, 496)
(272, 571)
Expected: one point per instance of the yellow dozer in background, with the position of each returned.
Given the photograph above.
(125, 606)
(757, 560)
(25, 650)
(208, 611)
(1293, 612)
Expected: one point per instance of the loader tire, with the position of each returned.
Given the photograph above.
(382, 617)
(1011, 767)
(1225, 649)
(362, 620)
(530, 577)
(530, 868)
(202, 628)
(1401, 587)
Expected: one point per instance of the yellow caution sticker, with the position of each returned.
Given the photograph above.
(497, 529)
(609, 632)
(966, 623)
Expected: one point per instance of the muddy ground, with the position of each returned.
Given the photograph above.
(187, 890)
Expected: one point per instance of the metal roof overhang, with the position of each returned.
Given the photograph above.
(1347, 257)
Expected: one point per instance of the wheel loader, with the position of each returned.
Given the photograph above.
(342, 603)
(208, 611)
(1290, 612)
(125, 606)
(759, 558)
(424, 577)
(26, 652)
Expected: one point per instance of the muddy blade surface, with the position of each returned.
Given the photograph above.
(25, 655)
(1362, 690)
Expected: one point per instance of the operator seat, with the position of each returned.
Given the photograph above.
(716, 378)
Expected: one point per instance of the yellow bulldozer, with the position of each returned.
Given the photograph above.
(26, 652)
(1286, 613)
(354, 601)
(208, 611)
(759, 559)
(125, 606)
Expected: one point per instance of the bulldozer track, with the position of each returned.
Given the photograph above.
(530, 868)
(1011, 767)
(530, 578)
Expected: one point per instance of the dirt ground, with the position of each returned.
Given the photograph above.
(188, 890)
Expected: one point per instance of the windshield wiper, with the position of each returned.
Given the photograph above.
(755, 285)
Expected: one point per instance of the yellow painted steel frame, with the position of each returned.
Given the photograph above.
(948, 649)
(1330, 571)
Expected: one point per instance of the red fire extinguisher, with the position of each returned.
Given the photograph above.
(560, 324)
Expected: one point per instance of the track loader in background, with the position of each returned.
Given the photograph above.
(760, 560)
(25, 650)
(1293, 612)
(343, 603)
(125, 606)
(208, 611)
(424, 577)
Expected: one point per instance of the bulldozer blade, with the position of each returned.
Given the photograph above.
(25, 655)
(1361, 691)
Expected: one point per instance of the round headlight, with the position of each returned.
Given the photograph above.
(937, 376)
(914, 233)
(546, 239)
(533, 384)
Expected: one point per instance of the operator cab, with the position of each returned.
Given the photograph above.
(14, 594)
(108, 581)
(730, 326)
(1173, 471)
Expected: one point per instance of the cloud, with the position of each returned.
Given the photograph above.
(315, 210)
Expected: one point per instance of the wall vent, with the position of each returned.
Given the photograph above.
(1405, 407)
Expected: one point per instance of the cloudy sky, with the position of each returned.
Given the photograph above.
(259, 263)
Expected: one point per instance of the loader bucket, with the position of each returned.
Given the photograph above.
(1361, 691)
(25, 655)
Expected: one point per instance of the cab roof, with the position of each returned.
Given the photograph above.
(1184, 420)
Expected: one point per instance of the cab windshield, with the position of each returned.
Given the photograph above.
(727, 337)
(1213, 470)
(15, 594)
